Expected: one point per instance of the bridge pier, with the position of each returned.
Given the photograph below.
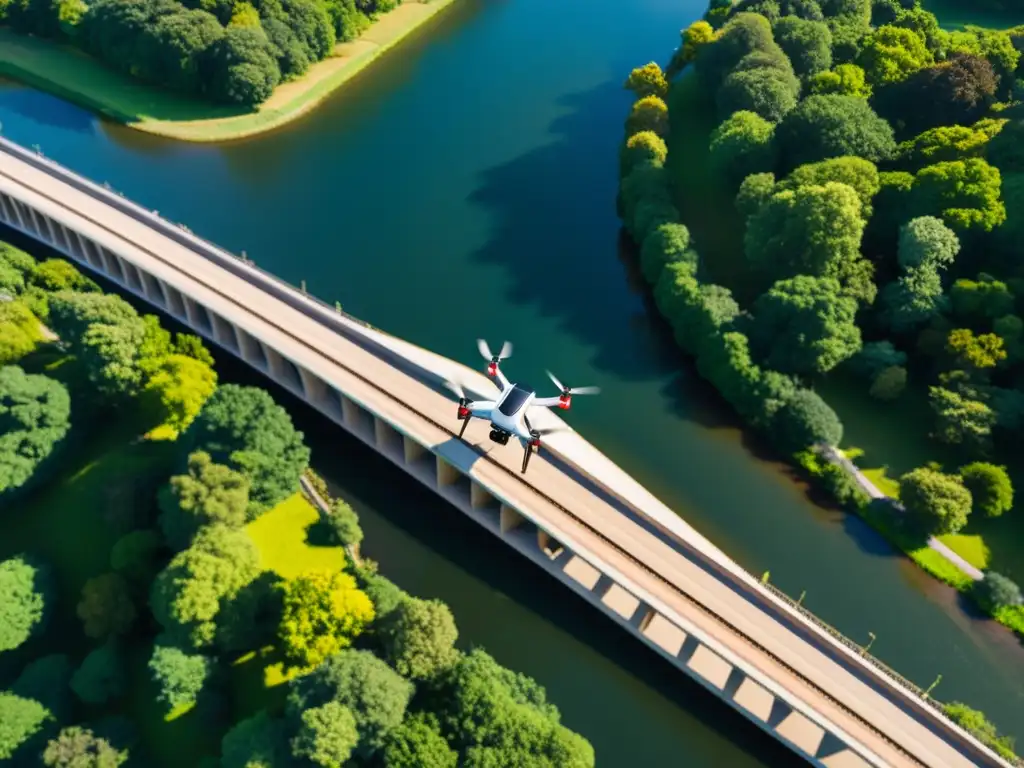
(479, 498)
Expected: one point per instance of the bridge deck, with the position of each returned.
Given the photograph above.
(872, 712)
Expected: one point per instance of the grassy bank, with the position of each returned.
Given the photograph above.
(70, 74)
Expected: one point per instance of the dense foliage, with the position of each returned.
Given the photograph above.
(229, 53)
(23, 585)
(35, 415)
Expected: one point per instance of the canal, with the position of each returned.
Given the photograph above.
(465, 187)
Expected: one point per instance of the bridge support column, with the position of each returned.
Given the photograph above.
(314, 387)
(510, 519)
(191, 313)
(224, 332)
(42, 225)
(252, 350)
(479, 498)
(412, 449)
(446, 473)
(350, 412)
(276, 363)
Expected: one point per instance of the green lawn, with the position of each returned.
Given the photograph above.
(283, 537)
(70, 74)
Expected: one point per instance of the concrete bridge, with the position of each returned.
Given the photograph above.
(575, 514)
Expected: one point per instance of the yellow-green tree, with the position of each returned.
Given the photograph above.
(647, 80)
(323, 612)
(983, 351)
(177, 389)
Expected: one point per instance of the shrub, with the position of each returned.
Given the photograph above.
(996, 591)
(647, 80)
(22, 609)
(939, 502)
(665, 244)
(645, 146)
(20, 719)
(806, 420)
(345, 523)
(742, 144)
(990, 488)
(889, 384)
(648, 114)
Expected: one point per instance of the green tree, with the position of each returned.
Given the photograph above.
(188, 594)
(244, 428)
(978, 352)
(19, 329)
(256, 741)
(419, 638)
(913, 299)
(855, 172)
(889, 384)
(694, 37)
(78, 747)
(418, 743)
(323, 612)
(376, 695)
(875, 357)
(891, 54)
(939, 502)
(805, 326)
(179, 677)
(996, 591)
(327, 735)
(20, 720)
(965, 193)
(134, 556)
(209, 493)
(981, 301)
(497, 717)
(951, 142)
(667, 244)
(177, 388)
(990, 488)
(844, 80)
(55, 275)
(743, 34)
(648, 114)
(100, 677)
(23, 585)
(768, 91)
(824, 126)
(46, 679)
(805, 420)
(647, 80)
(756, 190)
(245, 69)
(645, 146)
(961, 420)
(742, 145)
(106, 606)
(345, 523)
(35, 415)
(927, 242)
(975, 723)
(808, 44)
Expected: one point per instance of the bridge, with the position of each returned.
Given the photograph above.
(575, 514)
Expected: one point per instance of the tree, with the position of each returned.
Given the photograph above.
(996, 591)
(927, 242)
(768, 91)
(327, 735)
(256, 741)
(805, 420)
(497, 717)
(1005, 149)
(345, 523)
(962, 420)
(981, 301)
(855, 172)
(844, 80)
(891, 54)
(78, 747)
(957, 91)
(19, 329)
(209, 493)
(979, 352)
(188, 594)
(990, 488)
(889, 384)
(824, 126)
(177, 388)
(756, 190)
(951, 142)
(178, 676)
(100, 678)
(965, 193)
(17, 259)
(35, 415)
(22, 609)
(808, 44)
(913, 299)
(805, 326)
(875, 357)
(743, 34)
(645, 146)
(742, 145)
(134, 556)
(939, 502)
(244, 428)
(323, 612)
(55, 275)
(46, 680)
(20, 720)
(419, 638)
(648, 114)
(667, 244)
(245, 69)
(647, 80)
(106, 606)
(418, 743)
(694, 37)
(376, 695)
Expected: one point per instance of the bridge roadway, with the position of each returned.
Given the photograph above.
(683, 577)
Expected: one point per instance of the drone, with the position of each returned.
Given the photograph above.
(509, 413)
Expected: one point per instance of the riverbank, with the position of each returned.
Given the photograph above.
(76, 77)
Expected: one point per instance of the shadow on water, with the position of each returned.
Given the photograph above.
(42, 108)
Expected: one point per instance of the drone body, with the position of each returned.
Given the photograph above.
(509, 414)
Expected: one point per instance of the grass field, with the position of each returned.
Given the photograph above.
(72, 75)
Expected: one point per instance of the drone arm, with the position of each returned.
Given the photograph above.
(503, 383)
(549, 402)
(481, 409)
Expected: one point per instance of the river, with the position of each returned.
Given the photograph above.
(464, 187)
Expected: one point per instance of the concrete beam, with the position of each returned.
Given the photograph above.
(446, 473)
(548, 544)
(350, 412)
(412, 449)
(314, 387)
(479, 498)
(754, 698)
(710, 666)
(799, 730)
(510, 519)
(664, 634)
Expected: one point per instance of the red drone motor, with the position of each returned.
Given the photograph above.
(564, 401)
(535, 442)
(492, 369)
(463, 412)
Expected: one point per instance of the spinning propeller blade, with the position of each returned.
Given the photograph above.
(573, 390)
(485, 351)
(457, 389)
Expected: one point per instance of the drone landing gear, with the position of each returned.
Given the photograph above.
(528, 451)
(464, 415)
(465, 424)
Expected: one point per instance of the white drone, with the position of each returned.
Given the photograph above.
(509, 413)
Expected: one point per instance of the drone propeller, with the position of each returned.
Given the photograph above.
(485, 350)
(534, 443)
(457, 390)
(566, 391)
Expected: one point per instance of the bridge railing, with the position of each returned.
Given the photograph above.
(183, 235)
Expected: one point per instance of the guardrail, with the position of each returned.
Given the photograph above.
(185, 237)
